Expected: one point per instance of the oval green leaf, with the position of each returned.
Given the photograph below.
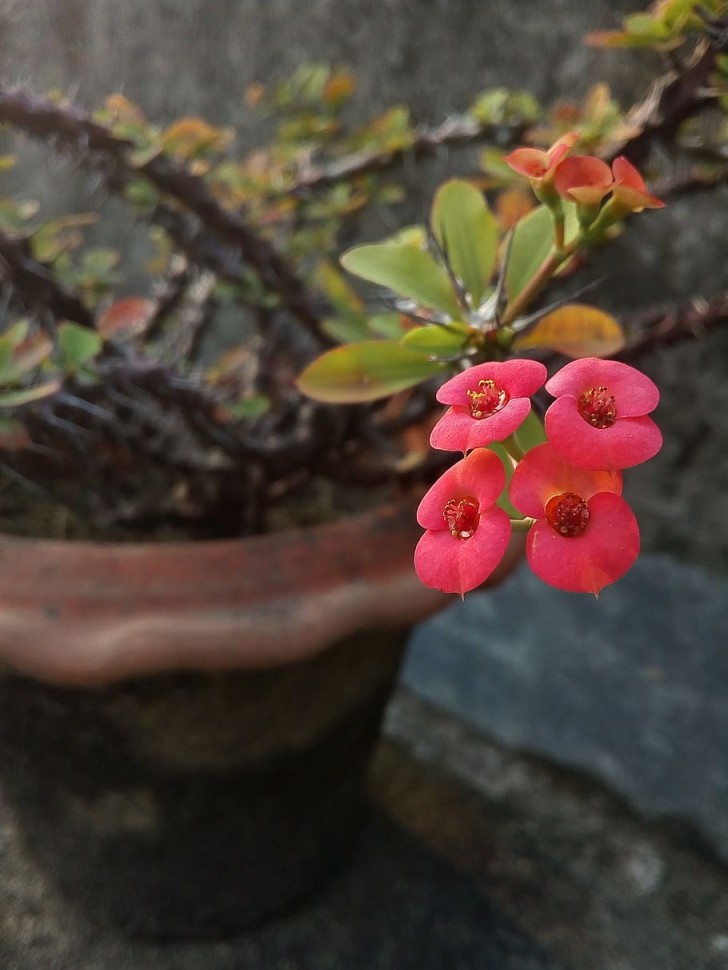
(365, 372)
(408, 271)
(533, 239)
(466, 231)
(11, 399)
(436, 341)
(77, 345)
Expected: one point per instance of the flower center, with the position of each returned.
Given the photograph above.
(567, 514)
(597, 407)
(487, 399)
(462, 516)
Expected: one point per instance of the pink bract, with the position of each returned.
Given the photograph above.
(609, 543)
(587, 179)
(450, 563)
(630, 191)
(459, 430)
(626, 437)
(583, 178)
(539, 165)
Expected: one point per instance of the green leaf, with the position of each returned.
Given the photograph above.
(645, 26)
(530, 432)
(533, 239)
(365, 372)
(25, 356)
(346, 330)
(408, 271)
(11, 399)
(466, 231)
(99, 262)
(77, 345)
(387, 325)
(16, 333)
(245, 409)
(13, 435)
(436, 341)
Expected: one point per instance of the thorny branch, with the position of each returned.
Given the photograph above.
(452, 133)
(674, 98)
(34, 286)
(665, 326)
(98, 148)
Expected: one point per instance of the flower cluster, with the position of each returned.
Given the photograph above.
(582, 535)
(584, 179)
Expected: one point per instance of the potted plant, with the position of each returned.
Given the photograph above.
(192, 684)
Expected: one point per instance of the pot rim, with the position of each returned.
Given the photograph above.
(86, 613)
(82, 612)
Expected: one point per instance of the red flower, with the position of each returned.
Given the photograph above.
(629, 191)
(587, 180)
(585, 535)
(583, 179)
(488, 402)
(537, 165)
(599, 419)
(467, 534)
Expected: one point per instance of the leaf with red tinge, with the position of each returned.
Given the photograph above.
(19, 359)
(13, 435)
(12, 399)
(190, 137)
(126, 318)
(576, 330)
(365, 371)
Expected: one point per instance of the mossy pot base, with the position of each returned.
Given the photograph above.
(193, 805)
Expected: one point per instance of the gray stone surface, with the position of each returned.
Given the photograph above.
(396, 907)
(606, 889)
(632, 688)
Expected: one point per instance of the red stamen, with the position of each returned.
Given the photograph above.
(462, 516)
(597, 406)
(487, 399)
(567, 514)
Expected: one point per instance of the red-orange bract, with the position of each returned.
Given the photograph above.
(538, 165)
(487, 403)
(467, 534)
(585, 535)
(587, 180)
(599, 418)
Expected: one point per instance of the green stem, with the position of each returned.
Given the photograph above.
(538, 281)
(522, 525)
(513, 448)
(558, 219)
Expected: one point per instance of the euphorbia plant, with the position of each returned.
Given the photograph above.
(464, 289)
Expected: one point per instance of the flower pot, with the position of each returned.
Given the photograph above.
(185, 728)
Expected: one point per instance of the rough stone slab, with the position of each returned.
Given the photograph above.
(632, 688)
(603, 887)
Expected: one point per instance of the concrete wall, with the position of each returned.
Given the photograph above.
(198, 56)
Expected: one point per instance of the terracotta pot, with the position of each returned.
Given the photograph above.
(185, 728)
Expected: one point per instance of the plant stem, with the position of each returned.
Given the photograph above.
(534, 286)
(34, 285)
(522, 525)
